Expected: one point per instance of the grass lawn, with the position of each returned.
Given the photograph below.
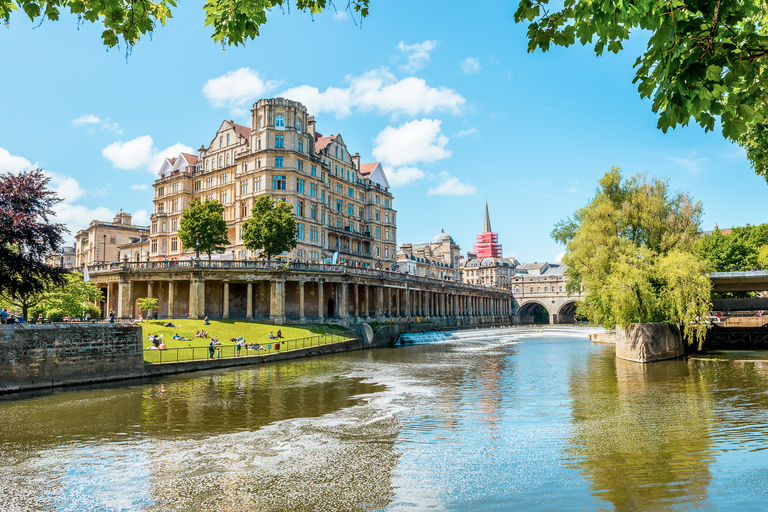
(294, 337)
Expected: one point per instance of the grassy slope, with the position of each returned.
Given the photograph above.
(226, 329)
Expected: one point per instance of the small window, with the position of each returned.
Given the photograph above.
(280, 122)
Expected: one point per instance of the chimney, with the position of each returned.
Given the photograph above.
(356, 161)
(311, 126)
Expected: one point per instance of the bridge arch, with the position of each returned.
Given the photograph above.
(567, 313)
(533, 312)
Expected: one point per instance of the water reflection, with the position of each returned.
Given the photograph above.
(530, 419)
(642, 432)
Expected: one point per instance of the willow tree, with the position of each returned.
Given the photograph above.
(631, 250)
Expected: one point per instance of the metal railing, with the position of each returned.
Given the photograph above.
(228, 350)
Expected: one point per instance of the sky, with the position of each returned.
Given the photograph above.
(448, 99)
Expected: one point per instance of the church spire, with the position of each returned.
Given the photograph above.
(487, 224)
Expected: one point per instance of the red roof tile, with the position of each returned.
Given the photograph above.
(191, 159)
(322, 142)
(242, 130)
(367, 169)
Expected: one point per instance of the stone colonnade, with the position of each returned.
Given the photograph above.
(293, 297)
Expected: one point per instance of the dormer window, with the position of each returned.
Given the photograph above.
(280, 122)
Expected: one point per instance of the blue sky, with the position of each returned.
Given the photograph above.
(449, 100)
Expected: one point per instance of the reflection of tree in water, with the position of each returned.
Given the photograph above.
(640, 432)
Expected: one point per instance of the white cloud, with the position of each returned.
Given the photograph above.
(403, 175)
(340, 15)
(104, 124)
(464, 133)
(378, 90)
(573, 188)
(237, 90)
(141, 153)
(692, 162)
(137, 186)
(66, 187)
(140, 218)
(417, 54)
(470, 65)
(12, 163)
(77, 216)
(451, 186)
(559, 256)
(411, 143)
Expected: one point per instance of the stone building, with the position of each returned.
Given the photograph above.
(65, 258)
(343, 208)
(101, 241)
(439, 258)
(489, 272)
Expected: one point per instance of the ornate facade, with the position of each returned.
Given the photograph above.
(343, 209)
(101, 241)
(439, 259)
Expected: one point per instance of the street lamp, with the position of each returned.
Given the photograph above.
(197, 248)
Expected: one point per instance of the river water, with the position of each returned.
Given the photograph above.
(512, 419)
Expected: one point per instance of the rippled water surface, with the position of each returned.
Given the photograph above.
(515, 419)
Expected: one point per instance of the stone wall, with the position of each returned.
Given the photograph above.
(645, 343)
(42, 356)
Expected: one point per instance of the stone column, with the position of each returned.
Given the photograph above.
(249, 302)
(344, 311)
(407, 302)
(170, 299)
(149, 289)
(320, 308)
(193, 298)
(367, 311)
(201, 299)
(356, 312)
(225, 313)
(442, 305)
(122, 291)
(301, 301)
(397, 302)
(277, 302)
(380, 301)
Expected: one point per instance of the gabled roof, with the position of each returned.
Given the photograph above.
(191, 159)
(322, 142)
(375, 173)
(367, 169)
(244, 131)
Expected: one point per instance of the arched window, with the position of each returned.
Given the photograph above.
(517, 289)
(279, 122)
(227, 139)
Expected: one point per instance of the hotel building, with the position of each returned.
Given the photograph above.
(343, 208)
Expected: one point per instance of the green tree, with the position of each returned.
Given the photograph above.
(233, 21)
(737, 250)
(204, 224)
(705, 60)
(631, 251)
(74, 298)
(148, 304)
(271, 228)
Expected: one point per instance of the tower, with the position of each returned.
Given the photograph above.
(487, 245)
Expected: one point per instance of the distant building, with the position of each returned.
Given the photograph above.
(102, 241)
(63, 259)
(487, 245)
(439, 258)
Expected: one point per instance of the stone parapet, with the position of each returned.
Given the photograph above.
(43, 356)
(646, 343)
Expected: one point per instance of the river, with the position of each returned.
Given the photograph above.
(504, 419)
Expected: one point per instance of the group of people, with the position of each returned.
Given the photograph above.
(157, 342)
(273, 337)
(201, 334)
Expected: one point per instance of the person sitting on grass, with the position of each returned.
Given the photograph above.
(206, 322)
(162, 345)
(271, 336)
(279, 334)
